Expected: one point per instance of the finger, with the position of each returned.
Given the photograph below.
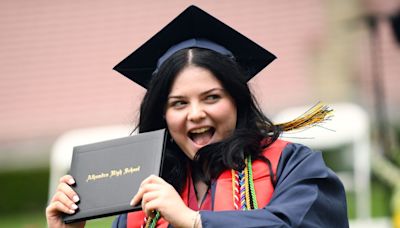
(142, 190)
(68, 179)
(159, 180)
(136, 198)
(150, 179)
(68, 191)
(56, 207)
(150, 207)
(154, 180)
(62, 198)
(149, 196)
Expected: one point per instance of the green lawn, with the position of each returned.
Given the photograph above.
(36, 220)
(24, 200)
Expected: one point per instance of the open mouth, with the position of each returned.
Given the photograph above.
(202, 136)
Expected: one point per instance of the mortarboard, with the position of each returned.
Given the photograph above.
(193, 28)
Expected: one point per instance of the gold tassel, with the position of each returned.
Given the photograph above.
(314, 116)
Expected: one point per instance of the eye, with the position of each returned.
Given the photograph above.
(212, 98)
(177, 104)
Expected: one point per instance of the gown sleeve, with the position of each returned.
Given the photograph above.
(120, 221)
(307, 194)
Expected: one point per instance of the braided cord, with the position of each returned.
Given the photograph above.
(152, 222)
(242, 190)
(251, 182)
(246, 183)
(235, 189)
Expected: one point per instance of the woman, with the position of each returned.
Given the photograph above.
(224, 165)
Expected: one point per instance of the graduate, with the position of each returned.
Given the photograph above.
(225, 165)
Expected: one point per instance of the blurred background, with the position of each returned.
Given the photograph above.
(56, 60)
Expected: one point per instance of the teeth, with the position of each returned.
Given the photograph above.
(200, 130)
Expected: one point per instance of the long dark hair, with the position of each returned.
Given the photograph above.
(253, 132)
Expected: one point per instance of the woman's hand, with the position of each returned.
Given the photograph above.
(157, 194)
(63, 201)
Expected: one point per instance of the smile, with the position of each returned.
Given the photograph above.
(201, 136)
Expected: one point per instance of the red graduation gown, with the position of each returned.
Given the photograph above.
(222, 198)
(307, 194)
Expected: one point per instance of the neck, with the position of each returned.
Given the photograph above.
(200, 186)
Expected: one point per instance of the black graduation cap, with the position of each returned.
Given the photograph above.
(193, 23)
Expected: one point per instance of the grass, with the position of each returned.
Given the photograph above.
(23, 191)
(28, 220)
(25, 197)
(38, 220)
(380, 193)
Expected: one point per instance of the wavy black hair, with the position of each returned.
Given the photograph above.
(253, 132)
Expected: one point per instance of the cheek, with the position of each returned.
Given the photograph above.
(175, 121)
(225, 115)
(230, 120)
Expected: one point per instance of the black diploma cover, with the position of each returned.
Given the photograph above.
(108, 174)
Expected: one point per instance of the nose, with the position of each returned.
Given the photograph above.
(196, 113)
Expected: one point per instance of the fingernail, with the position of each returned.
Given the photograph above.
(71, 211)
(71, 181)
(75, 198)
(74, 206)
(132, 203)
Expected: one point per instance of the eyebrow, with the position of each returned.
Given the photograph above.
(202, 94)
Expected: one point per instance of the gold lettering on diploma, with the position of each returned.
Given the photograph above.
(113, 173)
(93, 177)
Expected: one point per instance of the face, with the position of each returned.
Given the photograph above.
(199, 111)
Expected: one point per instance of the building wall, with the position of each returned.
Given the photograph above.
(56, 60)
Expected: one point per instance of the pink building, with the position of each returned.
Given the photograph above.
(57, 59)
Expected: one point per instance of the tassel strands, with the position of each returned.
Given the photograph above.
(312, 117)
